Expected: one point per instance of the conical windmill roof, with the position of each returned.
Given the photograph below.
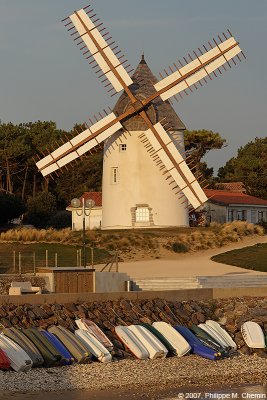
(142, 87)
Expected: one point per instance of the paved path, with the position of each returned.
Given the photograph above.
(190, 265)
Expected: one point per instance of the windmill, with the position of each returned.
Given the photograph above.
(167, 176)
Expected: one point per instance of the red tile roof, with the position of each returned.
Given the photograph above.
(227, 197)
(96, 196)
(232, 186)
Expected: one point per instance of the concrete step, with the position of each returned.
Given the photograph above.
(176, 283)
(158, 284)
(233, 281)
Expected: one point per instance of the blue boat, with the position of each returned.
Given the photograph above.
(196, 345)
(67, 358)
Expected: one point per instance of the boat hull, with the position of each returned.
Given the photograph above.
(19, 359)
(154, 347)
(131, 341)
(253, 335)
(93, 345)
(178, 342)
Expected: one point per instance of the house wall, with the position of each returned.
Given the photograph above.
(251, 213)
(216, 212)
(222, 213)
(93, 221)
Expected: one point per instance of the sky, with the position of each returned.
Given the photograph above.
(45, 77)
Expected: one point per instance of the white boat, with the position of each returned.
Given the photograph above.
(131, 341)
(215, 335)
(92, 328)
(94, 345)
(253, 335)
(154, 347)
(217, 327)
(178, 342)
(19, 359)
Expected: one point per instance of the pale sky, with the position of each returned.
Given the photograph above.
(45, 77)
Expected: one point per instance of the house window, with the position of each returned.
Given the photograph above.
(262, 216)
(114, 175)
(241, 215)
(254, 216)
(123, 147)
(142, 214)
(230, 215)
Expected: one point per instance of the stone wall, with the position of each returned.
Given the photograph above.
(5, 282)
(232, 313)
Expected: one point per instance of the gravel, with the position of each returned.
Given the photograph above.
(160, 373)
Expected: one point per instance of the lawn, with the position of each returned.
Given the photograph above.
(253, 257)
(66, 256)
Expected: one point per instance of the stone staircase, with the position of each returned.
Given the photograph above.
(161, 284)
(198, 282)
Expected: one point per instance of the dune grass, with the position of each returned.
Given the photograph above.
(252, 257)
(152, 242)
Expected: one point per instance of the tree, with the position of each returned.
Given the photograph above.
(18, 145)
(10, 207)
(41, 209)
(249, 167)
(197, 144)
(84, 176)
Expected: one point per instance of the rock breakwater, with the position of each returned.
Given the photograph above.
(232, 313)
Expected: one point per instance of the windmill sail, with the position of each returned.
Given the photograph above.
(175, 164)
(79, 145)
(201, 67)
(94, 41)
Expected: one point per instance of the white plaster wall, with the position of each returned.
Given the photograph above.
(140, 182)
(93, 221)
(217, 213)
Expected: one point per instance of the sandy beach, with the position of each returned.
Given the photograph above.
(149, 376)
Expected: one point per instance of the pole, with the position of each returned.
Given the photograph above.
(77, 258)
(80, 255)
(92, 257)
(117, 264)
(34, 263)
(19, 263)
(14, 261)
(46, 259)
(56, 260)
(84, 237)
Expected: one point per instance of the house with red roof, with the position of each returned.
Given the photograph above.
(227, 206)
(93, 216)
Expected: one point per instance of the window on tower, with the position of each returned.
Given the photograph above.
(142, 214)
(123, 147)
(114, 175)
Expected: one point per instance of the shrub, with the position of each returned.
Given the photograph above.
(179, 247)
(10, 207)
(62, 219)
(41, 209)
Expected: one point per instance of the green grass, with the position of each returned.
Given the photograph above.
(66, 255)
(253, 257)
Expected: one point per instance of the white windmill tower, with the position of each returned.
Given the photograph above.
(146, 173)
(136, 194)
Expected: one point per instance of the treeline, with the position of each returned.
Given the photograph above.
(249, 167)
(21, 181)
(23, 188)
(19, 144)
